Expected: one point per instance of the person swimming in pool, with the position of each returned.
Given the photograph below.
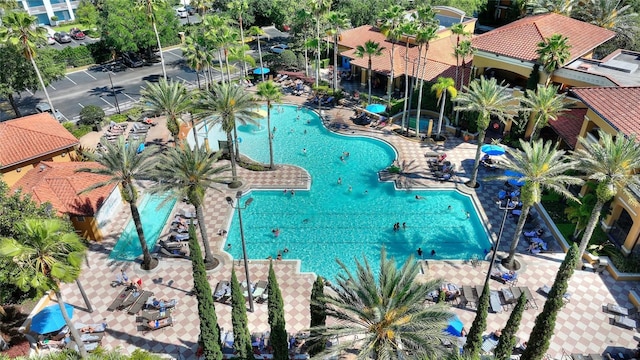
(420, 252)
(418, 197)
(339, 181)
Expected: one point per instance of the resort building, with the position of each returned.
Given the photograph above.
(613, 110)
(440, 59)
(60, 185)
(44, 10)
(27, 141)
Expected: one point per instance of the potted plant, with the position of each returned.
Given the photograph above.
(54, 20)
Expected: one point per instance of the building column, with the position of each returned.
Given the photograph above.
(49, 9)
(364, 80)
(70, 9)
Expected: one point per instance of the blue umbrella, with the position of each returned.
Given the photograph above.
(492, 150)
(455, 326)
(515, 174)
(376, 108)
(50, 319)
(261, 70)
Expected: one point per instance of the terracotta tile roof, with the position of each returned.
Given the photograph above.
(568, 125)
(619, 106)
(59, 184)
(30, 137)
(440, 59)
(519, 39)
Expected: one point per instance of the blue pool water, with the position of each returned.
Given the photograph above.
(153, 217)
(329, 221)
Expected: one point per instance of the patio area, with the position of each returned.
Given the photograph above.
(582, 326)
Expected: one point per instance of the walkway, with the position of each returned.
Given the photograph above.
(582, 326)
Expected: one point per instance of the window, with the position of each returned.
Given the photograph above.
(80, 218)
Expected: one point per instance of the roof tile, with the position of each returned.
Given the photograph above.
(619, 106)
(568, 125)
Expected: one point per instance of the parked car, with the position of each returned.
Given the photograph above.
(181, 12)
(44, 107)
(278, 49)
(62, 37)
(51, 40)
(77, 34)
(132, 60)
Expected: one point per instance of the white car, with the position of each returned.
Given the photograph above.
(182, 12)
(278, 49)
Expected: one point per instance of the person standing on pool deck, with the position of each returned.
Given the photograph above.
(420, 252)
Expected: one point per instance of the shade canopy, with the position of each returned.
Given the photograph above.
(261, 70)
(50, 319)
(455, 326)
(376, 108)
(515, 175)
(493, 150)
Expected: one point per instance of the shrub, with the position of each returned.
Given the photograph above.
(118, 118)
(91, 115)
(76, 56)
(81, 131)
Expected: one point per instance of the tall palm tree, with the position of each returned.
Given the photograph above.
(227, 104)
(124, 166)
(612, 162)
(385, 313)
(258, 32)
(427, 31)
(46, 254)
(196, 57)
(545, 104)
(170, 98)
(303, 17)
(227, 38)
(463, 51)
(319, 7)
(610, 14)
(408, 29)
(269, 92)
(150, 7)
(553, 53)
(240, 53)
(459, 31)
(441, 88)
(19, 29)
(370, 49)
(562, 7)
(216, 28)
(187, 173)
(338, 21)
(238, 8)
(392, 18)
(487, 99)
(543, 167)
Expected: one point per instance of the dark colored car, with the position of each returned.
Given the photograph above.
(132, 59)
(77, 34)
(62, 37)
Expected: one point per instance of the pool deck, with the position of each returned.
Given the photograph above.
(582, 326)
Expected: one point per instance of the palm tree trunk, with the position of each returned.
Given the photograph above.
(269, 133)
(234, 172)
(195, 131)
(198, 79)
(226, 62)
(406, 86)
(84, 295)
(591, 226)
(135, 214)
(243, 65)
(44, 88)
(14, 105)
(221, 67)
(74, 332)
(306, 57)
(208, 256)
(335, 61)
(369, 78)
(390, 84)
(237, 146)
(508, 262)
(155, 30)
(476, 163)
(318, 52)
(420, 91)
(260, 56)
(443, 99)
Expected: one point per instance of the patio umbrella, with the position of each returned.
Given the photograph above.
(261, 70)
(492, 150)
(514, 182)
(455, 326)
(50, 319)
(376, 108)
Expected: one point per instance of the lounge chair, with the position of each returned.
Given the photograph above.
(172, 253)
(153, 315)
(261, 289)
(495, 303)
(89, 347)
(619, 310)
(490, 343)
(545, 290)
(179, 236)
(531, 301)
(625, 322)
(117, 302)
(158, 324)
(222, 291)
(470, 296)
(90, 328)
(139, 302)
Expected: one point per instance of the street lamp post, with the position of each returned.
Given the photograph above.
(244, 245)
(113, 90)
(510, 205)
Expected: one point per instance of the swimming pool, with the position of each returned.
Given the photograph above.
(331, 221)
(153, 217)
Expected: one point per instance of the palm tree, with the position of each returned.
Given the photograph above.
(45, 255)
(258, 32)
(553, 53)
(543, 167)
(269, 92)
(303, 17)
(124, 166)
(227, 38)
(463, 51)
(237, 52)
(216, 29)
(370, 49)
(546, 104)
(392, 18)
(196, 56)
(319, 7)
(170, 98)
(150, 7)
(19, 29)
(187, 173)
(441, 88)
(458, 30)
(227, 104)
(337, 22)
(427, 31)
(611, 162)
(486, 98)
(385, 313)
(239, 7)
(408, 28)
(610, 14)
(562, 7)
